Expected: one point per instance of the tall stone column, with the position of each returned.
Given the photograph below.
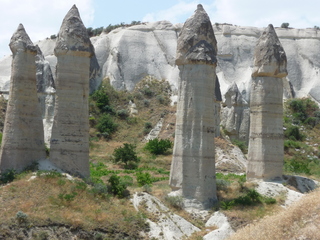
(193, 163)
(265, 153)
(23, 140)
(70, 131)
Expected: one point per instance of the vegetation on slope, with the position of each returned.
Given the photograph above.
(122, 162)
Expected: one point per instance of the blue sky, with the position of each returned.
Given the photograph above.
(43, 18)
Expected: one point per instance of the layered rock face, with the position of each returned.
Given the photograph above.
(235, 114)
(70, 131)
(23, 140)
(193, 165)
(46, 93)
(265, 152)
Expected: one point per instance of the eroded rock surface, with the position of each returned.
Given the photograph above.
(23, 139)
(193, 165)
(168, 225)
(265, 152)
(70, 131)
(235, 114)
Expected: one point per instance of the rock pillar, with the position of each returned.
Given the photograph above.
(23, 140)
(70, 131)
(265, 153)
(193, 164)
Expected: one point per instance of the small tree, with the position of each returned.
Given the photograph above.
(127, 155)
(157, 147)
(285, 25)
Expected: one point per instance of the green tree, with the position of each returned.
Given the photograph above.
(127, 155)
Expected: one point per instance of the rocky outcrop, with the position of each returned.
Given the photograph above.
(23, 141)
(193, 166)
(265, 152)
(70, 131)
(235, 114)
(217, 107)
(46, 93)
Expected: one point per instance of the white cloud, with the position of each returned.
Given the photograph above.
(40, 18)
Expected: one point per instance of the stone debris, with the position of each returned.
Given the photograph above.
(193, 164)
(70, 131)
(168, 225)
(23, 138)
(221, 222)
(154, 133)
(265, 152)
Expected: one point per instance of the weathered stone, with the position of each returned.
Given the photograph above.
(23, 141)
(46, 93)
(193, 165)
(269, 57)
(235, 115)
(217, 107)
(265, 153)
(70, 131)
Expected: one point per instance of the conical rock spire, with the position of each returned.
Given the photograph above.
(20, 41)
(269, 57)
(73, 34)
(197, 42)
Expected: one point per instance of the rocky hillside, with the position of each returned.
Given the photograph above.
(128, 54)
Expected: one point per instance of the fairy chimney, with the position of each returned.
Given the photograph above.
(193, 164)
(70, 131)
(23, 139)
(265, 152)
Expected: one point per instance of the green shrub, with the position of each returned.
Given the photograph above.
(284, 25)
(146, 102)
(100, 190)
(296, 165)
(7, 176)
(157, 147)
(293, 133)
(117, 187)
(127, 155)
(101, 99)
(291, 144)
(143, 178)
(175, 201)
(241, 144)
(147, 92)
(222, 184)
(123, 114)
(106, 125)
(147, 127)
(21, 217)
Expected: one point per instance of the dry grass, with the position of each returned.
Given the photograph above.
(299, 221)
(41, 200)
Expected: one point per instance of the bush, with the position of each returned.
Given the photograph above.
(143, 178)
(157, 147)
(123, 114)
(291, 144)
(241, 144)
(127, 155)
(293, 133)
(147, 127)
(106, 125)
(21, 217)
(117, 187)
(175, 201)
(296, 165)
(285, 25)
(7, 176)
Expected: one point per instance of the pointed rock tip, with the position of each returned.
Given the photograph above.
(20, 40)
(269, 57)
(200, 7)
(196, 42)
(73, 34)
